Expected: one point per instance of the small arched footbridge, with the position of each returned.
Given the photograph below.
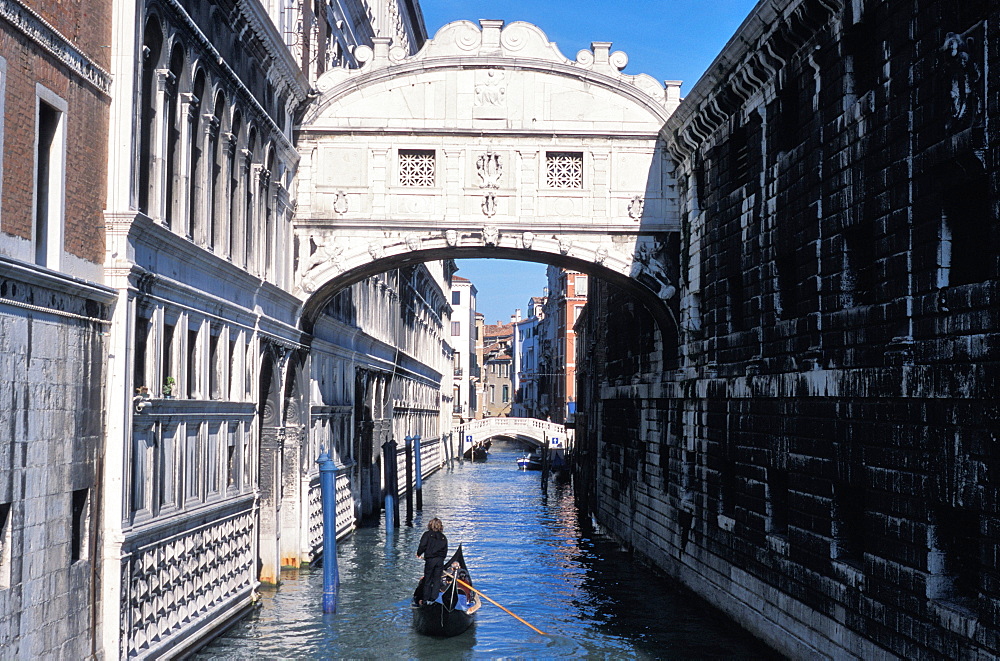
(539, 433)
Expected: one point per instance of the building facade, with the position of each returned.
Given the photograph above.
(496, 384)
(525, 353)
(463, 340)
(54, 317)
(217, 402)
(564, 305)
(820, 462)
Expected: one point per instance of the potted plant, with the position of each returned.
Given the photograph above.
(168, 387)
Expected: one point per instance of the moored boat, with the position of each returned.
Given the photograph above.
(454, 610)
(530, 462)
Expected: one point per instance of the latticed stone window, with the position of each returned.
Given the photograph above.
(564, 169)
(416, 167)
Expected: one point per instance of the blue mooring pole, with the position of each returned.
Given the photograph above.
(328, 492)
(409, 480)
(419, 478)
(391, 487)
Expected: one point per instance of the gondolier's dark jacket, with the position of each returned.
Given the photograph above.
(433, 544)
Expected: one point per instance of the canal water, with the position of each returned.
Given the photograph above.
(527, 549)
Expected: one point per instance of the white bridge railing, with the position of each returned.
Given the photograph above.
(531, 430)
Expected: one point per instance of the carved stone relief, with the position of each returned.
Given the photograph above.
(491, 235)
(963, 73)
(491, 91)
(327, 252)
(489, 167)
(649, 269)
(489, 204)
(340, 202)
(635, 207)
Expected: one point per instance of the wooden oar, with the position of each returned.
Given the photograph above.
(480, 593)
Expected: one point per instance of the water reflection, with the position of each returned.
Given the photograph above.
(526, 548)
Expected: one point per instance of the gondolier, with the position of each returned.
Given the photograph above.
(453, 609)
(432, 550)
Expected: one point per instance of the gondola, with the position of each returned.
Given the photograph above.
(454, 611)
(479, 452)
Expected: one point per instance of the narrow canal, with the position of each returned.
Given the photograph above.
(527, 549)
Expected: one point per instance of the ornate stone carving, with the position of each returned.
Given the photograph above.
(340, 202)
(376, 250)
(491, 235)
(565, 245)
(489, 204)
(964, 75)
(648, 269)
(618, 60)
(413, 242)
(600, 255)
(489, 167)
(492, 91)
(527, 239)
(635, 207)
(327, 252)
(451, 238)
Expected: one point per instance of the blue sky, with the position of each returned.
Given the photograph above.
(668, 39)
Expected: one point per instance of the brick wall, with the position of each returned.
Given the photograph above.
(86, 157)
(823, 468)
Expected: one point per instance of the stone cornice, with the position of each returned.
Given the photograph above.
(745, 67)
(35, 28)
(517, 46)
(317, 130)
(42, 277)
(255, 14)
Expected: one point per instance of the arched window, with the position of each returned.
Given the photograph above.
(268, 212)
(248, 200)
(152, 43)
(215, 173)
(195, 209)
(172, 102)
(232, 194)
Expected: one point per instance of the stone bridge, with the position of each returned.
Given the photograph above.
(536, 432)
(488, 142)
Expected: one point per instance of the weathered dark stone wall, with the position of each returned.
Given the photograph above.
(824, 465)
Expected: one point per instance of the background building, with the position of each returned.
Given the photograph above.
(497, 385)
(54, 316)
(525, 351)
(564, 305)
(463, 340)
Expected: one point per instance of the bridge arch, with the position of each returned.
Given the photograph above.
(487, 143)
(527, 430)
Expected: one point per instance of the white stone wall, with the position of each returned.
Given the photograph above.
(52, 361)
